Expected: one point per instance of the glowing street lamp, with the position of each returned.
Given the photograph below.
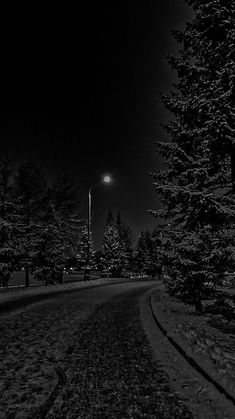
(107, 180)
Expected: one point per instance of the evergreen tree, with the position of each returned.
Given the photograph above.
(10, 225)
(99, 258)
(149, 264)
(49, 260)
(141, 253)
(124, 233)
(83, 249)
(196, 186)
(112, 249)
(30, 187)
(147, 258)
(49, 247)
(65, 202)
(65, 196)
(153, 260)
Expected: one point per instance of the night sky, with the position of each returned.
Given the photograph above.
(112, 65)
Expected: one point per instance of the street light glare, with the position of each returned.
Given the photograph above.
(107, 179)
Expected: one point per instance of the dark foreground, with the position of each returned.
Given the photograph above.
(104, 362)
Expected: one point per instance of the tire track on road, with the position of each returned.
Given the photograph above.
(114, 374)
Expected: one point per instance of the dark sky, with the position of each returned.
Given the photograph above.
(112, 65)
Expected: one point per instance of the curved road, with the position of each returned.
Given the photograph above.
(83, 354)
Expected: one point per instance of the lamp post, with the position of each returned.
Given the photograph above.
(106, 179)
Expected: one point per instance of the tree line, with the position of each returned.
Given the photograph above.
(118, 256)
(40, 231)
(38, 228)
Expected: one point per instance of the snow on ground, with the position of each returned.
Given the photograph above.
(18, 279)
(45, 332)
(38, 338)
(208, 339)
(12, 294)
(201, 397)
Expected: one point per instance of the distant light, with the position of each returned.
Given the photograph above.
(107, 179)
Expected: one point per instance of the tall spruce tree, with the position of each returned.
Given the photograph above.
(147, 255)
(124, 231)
(10, 224)
(125, 237)
(153, 260)
(83, 249)
(65, 196)
(49, 248)
(30, 188)
(66, 202)
(141, 254)
(196, 186)
(112, 249)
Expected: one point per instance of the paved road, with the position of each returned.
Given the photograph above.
(93, 341)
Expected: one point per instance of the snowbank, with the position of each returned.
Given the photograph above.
(208, 339)
(12, 294)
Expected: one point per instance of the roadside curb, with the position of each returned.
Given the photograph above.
(193, 361)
